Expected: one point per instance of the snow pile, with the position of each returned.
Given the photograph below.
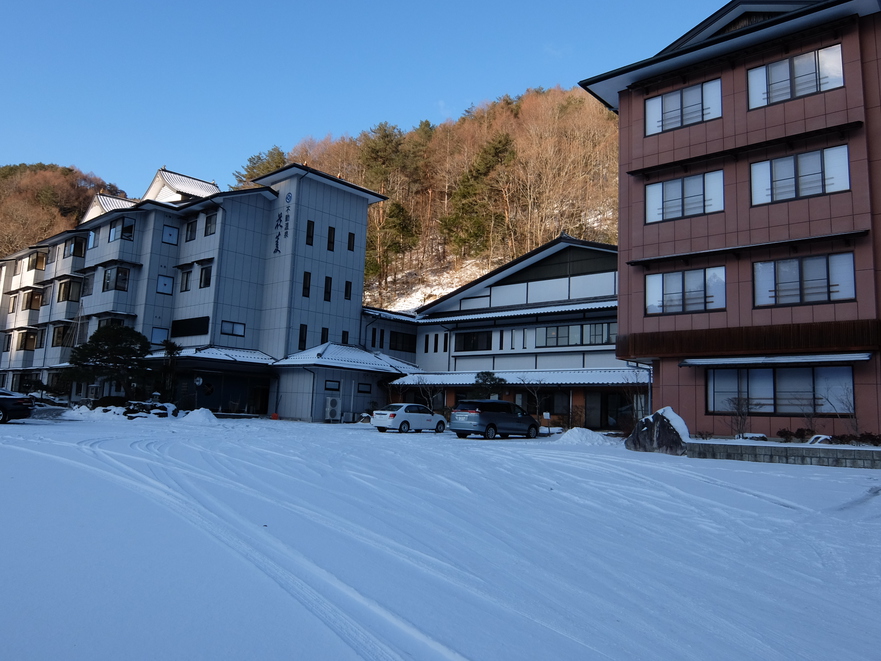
(581, 436)
(200, 417)
(99, 413)
(676, 421)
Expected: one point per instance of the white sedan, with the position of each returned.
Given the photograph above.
(404, 417)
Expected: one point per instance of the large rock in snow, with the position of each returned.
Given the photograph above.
(663, 431)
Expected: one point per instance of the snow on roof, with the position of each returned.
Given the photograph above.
(222, 353)
(348, 357)
(189, 185)
(170, 187)
(584, 377)
(103, 203)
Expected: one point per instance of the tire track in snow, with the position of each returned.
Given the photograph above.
(432, 565)
(353, 634)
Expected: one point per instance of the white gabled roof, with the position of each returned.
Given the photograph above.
(170, 186)
(576, 377)
(347, 357)
(449, 301)
(103, 203)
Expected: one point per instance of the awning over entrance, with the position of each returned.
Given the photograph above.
(745, 361)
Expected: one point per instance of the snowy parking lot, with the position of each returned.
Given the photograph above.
(197, 538)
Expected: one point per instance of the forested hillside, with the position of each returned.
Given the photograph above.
(503, 179)
(40, 200)
(464, 196)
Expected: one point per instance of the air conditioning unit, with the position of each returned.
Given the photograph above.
(332, 408)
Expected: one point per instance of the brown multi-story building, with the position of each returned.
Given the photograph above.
(750, 217)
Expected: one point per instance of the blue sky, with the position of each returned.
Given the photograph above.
(121, 89)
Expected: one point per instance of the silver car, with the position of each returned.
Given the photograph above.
(404, 417)
(491, 418)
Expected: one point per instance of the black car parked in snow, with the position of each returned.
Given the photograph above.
(14, 406)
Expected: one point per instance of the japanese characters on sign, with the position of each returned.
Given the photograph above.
(283, 224)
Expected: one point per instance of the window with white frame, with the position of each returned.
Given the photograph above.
(190, 231)
(158, 335)
(781, 390)
(796, 76)
(690, 105)
(802, 175)
(170, 235)
(811, 279)
(697, 290)
(210, 224)
(165, 285)
(232, 328)
(185, 277)
(689, 196)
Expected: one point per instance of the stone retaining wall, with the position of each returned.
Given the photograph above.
(813, 455)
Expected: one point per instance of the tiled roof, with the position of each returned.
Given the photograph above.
(188, 185)
(110, 202)
(348, 357)
(577, 377)
(222, 353)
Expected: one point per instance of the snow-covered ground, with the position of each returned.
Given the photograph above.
(196, 538)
